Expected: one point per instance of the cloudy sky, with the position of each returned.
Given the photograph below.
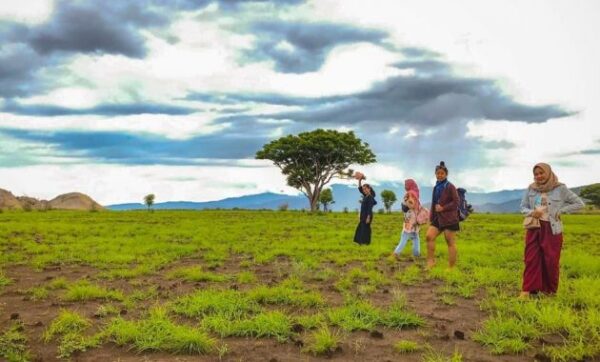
(118, 99)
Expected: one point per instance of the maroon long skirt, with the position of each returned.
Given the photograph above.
(542, 259)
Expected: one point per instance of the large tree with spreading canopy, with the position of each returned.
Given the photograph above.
(310, 160)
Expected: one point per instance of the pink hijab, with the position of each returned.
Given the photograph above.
(411, 185)
(413, 190)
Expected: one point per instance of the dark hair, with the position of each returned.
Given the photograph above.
(441, 166)
(370, 189)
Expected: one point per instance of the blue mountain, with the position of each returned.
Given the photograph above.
(345, 197)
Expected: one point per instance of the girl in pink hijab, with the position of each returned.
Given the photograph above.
(410, 229)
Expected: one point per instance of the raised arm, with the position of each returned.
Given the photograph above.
(360, 186)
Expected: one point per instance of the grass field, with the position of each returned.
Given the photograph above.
(283, 286)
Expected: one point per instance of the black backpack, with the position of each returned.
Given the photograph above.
(464, 208)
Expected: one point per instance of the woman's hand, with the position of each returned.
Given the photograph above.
(439, 208)
(557, 216)
(536, 213)
(368, 220)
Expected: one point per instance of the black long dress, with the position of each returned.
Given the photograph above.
(362, 235)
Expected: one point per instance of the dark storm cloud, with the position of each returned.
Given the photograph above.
(31, 54)
(310, 43)
(425, 67)
(112, 27)
(101, 110)
(19, 65)
(430, 96)
(414, 52)
(427, 102)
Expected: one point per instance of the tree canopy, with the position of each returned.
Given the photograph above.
(592, 194)
(310, 160)
(389, 198)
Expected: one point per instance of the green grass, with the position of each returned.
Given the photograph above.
(157, 332)
(84, 290)
(106, 310)
(506, 334)
(406, 347)
(398, 317)
(310, 321)
(196, 274)
(68, 329)
(323, 341)
(358, 315)
(246, 277)
(290, 269)
(267, 324)
(38, 293)
(227, 303)
(286, 295)
(14, 344)
(67, 322)
(411, 275)
(432, 355)
(4, 280)
(58, 283)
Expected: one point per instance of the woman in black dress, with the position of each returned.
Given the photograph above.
(362, 236)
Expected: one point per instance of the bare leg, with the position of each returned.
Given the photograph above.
(432, 233)
(451, 241)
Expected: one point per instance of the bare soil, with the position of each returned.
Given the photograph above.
(448, 327)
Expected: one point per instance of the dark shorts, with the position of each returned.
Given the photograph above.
(451, 227)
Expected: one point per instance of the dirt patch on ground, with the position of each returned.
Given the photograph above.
(448, 327)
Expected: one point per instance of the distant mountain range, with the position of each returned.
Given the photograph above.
(506, 201)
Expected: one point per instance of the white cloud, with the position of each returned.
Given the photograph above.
(380, 172)
(35, 11)
(556, 142)
(69, 97)
(110, 184)
(174, 127)
(548, 54)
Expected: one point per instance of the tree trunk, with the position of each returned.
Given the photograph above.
(314, 205)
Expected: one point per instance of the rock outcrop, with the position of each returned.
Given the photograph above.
(74, 201)
(70, 201)
(8, 201)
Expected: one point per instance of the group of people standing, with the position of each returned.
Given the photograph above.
(543, 203)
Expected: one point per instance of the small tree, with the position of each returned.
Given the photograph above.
(149, 201)
(311, 159)
(326, 198)
(592, 194)
(389, 198)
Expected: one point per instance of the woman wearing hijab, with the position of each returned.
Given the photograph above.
(443, 216)
(410, 228)
(362, 236)
(545, 200)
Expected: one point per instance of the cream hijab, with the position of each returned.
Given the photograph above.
(551, 181)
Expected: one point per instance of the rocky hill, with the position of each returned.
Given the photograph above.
(74, 201)
(69, 201)
(9, 201)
